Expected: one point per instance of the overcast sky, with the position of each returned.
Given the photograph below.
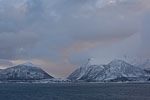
(60, 35)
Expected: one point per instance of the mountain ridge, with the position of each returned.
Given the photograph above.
(115, 70)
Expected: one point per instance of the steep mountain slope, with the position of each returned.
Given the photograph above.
(117, 70)
(143, 63)
(86, 72)
(26, 71)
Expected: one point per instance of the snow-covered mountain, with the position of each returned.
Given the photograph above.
(87, 71)
(26, 71)
(117, 70)
(143, 63)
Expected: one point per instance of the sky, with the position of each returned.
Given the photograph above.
(61, 35)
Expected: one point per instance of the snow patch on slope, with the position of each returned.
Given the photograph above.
(28, 64)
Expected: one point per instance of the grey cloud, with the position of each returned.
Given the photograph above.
(105, 53)
(13, 45)
(38, 29)
(145, 47)
(5, 63)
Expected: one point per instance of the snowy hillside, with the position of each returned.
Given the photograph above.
(143, 63)
(26, 71)
(87, 71)
(117, 70)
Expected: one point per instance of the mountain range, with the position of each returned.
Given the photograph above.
(115, 71)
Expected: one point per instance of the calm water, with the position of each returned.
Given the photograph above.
(84, 91)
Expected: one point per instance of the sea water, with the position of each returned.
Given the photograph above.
(75, 91)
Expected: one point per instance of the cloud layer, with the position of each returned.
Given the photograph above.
(65, 33)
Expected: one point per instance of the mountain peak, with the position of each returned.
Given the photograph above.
(26, 71)
(92, 61)
(118, 62)
(29, 64)
(116, 69)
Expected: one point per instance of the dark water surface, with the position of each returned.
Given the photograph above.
(84, 91)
